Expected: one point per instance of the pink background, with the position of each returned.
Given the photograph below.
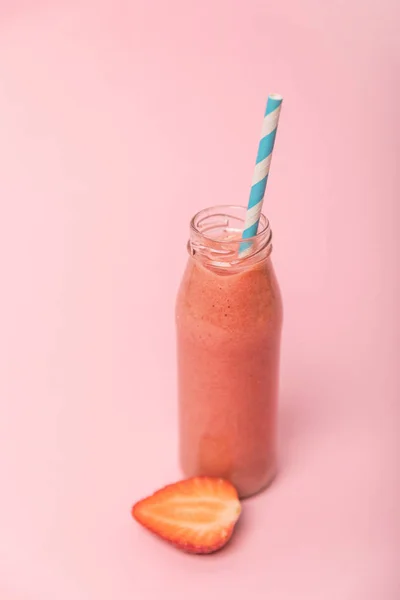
(115, 114)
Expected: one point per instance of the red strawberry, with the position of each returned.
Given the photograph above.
(197, 515)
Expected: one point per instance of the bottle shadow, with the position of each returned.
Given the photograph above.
(301, 421)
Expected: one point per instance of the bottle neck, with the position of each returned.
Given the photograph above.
(216, 242)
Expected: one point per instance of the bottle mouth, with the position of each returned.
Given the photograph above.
(216, 237)
(210, 222)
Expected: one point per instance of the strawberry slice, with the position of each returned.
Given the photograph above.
(197, 515)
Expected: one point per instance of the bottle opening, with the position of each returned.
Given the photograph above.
(216, 238)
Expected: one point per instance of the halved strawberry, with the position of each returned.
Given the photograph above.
(197, 515)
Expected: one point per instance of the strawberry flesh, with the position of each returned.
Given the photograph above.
(197, 515)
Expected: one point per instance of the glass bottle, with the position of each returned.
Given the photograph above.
(228, 323)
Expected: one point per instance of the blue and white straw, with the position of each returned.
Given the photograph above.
(263, 161)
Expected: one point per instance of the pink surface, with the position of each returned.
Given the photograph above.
(110, 113)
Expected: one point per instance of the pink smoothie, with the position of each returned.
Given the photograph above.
(228, 341)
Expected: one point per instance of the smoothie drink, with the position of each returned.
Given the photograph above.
(229, 320)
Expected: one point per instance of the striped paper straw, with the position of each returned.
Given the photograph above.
(261, 170)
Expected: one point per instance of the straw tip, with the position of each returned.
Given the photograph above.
(277, 97)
